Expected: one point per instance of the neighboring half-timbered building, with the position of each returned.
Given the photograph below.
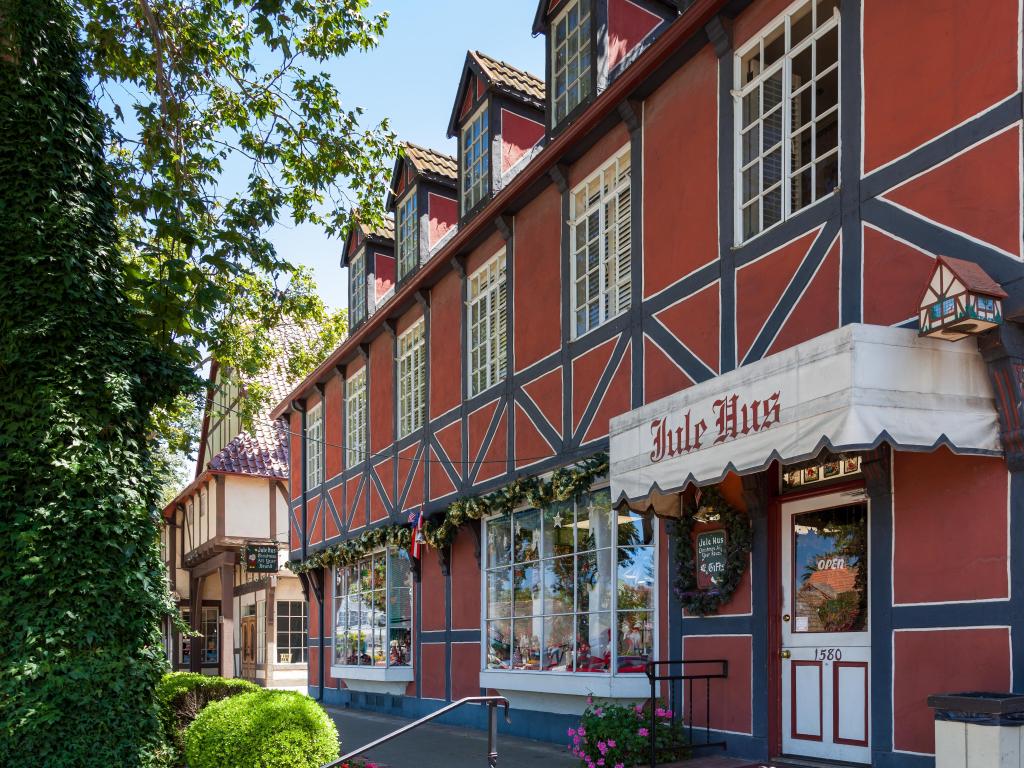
(702, 245)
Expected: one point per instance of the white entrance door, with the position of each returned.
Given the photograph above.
(826, 650)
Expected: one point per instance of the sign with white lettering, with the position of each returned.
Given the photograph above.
(261, 558)
(710, 558)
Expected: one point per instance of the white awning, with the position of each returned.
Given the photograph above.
(849, 389)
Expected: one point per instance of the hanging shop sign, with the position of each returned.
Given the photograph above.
(711, 557)
(260, 558)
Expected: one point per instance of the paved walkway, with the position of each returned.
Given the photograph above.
(442, 746)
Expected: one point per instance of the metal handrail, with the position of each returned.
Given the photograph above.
(650, 668)
(492, 728)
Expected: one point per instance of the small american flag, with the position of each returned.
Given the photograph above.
(416, 518)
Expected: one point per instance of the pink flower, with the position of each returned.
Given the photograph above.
(619, 765)
(576, 740)
(602, 747)
(642, 732)
(590, 699)
(599, 711)
(639, 708)
(600, 761)
(611, 743)
(659, 712)
(571, 732)
(582, 731)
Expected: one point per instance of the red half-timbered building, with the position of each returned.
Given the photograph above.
(700, 245)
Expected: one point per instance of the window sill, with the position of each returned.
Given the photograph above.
(569, 683)
(381, 674)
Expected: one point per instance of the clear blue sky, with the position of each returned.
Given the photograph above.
(411, 79)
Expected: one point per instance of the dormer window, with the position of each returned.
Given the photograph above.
(570, 59)
(475, 164)
(357, 287)
(408, 242)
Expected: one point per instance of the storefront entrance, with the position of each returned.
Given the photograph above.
(826, 648)
(248, 632)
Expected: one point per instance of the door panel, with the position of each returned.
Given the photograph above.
(825, 640)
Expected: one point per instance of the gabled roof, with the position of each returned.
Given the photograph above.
(382, 234)
(499, 76)
(973, 276)
(428, 163)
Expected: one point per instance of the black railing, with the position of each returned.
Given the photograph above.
(492, 703)
(651, 669)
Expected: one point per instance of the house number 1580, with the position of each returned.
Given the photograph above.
(828, 654)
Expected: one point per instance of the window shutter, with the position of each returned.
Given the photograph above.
(623, 257)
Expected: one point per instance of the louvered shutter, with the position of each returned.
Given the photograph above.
(622, 261)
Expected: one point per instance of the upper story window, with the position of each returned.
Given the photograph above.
(486, 325)
(314, 446)
(357, 286)
(355, 418)
(408, 231)
(570, 588)
(412, 379)
(373, 611)
(475, 164)
(601, 224)
(787, 115)
(570, 59)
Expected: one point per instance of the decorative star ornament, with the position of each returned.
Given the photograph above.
(558, 519)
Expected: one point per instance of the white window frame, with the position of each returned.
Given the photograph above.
(614, 269)
(584, 79)
(487, 325)
(741, 91)
(314, 446)
(357, 275)
(475, 160)
(290, 633)
(407, 234)
(412, 378)
(355, 418)
(261, 631)
(203, 626)
(612, 684)
(388, 672)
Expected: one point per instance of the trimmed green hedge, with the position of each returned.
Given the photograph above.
(265, 729)
(183, 695)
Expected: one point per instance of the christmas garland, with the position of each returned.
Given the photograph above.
(564, 484)
(712, 506)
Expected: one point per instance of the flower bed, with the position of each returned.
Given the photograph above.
(618, 736)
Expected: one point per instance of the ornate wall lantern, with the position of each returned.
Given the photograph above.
(960, 300)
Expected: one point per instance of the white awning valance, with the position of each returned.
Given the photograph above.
(849, 389)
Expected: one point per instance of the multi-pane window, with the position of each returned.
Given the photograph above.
(787, 104)
(261, 632)
(314, 446)
(184, 641)
(570, 58)
(601, 226)
(487, 325)
(209, 626)
(412, 379)
(355, 418)
(291, 632)
(357, 280)
(475, 165)
(373, 611)
(408, 242)
(569, 588)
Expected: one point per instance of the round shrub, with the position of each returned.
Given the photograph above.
(183, 695)
(265, 729)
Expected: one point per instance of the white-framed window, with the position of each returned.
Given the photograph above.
(487, 324)
(355, 418)
(600, 235)
(357, 281)
(314, 446)
(787, 116)
(210, 628)
(261, 631)
(475, 160)
(570, 59)
(291, 632)
(569, 588)
(407, 226)
(373, 611)
(412, 378)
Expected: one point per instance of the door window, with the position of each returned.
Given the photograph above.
(830, 570)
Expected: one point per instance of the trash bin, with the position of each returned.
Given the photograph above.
(978, 729)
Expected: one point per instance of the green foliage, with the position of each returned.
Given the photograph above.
(222, 122)
(619, 735)
(183, 695)
(699, 602)
(564, 484)
(267, 729)
(82, 592)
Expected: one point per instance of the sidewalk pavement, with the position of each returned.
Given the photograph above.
(441, 746)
